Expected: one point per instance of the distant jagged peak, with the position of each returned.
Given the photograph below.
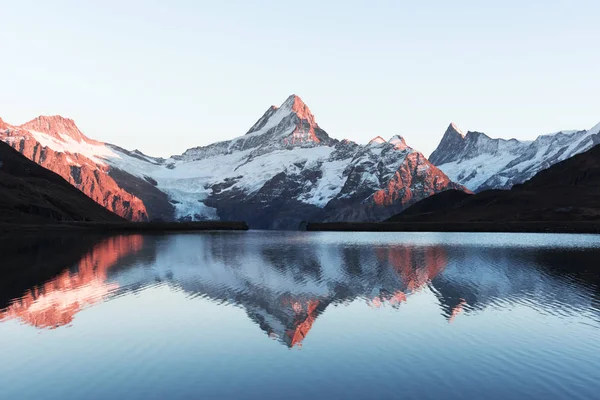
(3, 125)
(453, 128)
(476, 135)
(377, 140)
(398, 142)
(453, 133)
(57, 126)
(452, 144)
(592, 131)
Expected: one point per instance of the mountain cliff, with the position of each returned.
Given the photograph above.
(479, 162)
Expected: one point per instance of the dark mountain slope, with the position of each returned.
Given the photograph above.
(30, 193)
(568, 191)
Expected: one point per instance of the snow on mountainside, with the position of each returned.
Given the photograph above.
(479, 162)
(283, 171)
(58, 145)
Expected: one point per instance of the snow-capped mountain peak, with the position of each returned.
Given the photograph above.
(58, 127)
(377, 140)
(398, 142)
(479, 162)
(290, 124)
(293, 105)
(296, 105)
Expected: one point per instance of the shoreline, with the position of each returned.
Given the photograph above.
(122, 227)
(492, 227)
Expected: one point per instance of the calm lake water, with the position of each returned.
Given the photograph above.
(298, 315)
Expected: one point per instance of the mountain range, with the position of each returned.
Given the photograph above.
(285, 170)
(567, 191)
(479, 162)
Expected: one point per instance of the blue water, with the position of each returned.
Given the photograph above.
(271, 315)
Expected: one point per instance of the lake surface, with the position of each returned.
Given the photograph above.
(297, 315)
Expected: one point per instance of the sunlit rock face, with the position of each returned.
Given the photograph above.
(58, 145)
(284, 171)
(55, 303)
(479, 162)
(415, 179)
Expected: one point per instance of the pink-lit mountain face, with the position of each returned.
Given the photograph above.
(57, 127)
(293, 123)
(286, 169)
(58, 145)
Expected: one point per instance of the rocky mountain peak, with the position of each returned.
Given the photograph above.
(293, 105)
(290, 124)
(474, 135)
(454, 128)
(377, 140)
(297, 106)
(56, 126)
(398, 142)
(453, 142)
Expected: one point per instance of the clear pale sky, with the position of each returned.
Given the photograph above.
(163, 76)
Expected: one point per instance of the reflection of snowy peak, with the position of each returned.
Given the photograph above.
(286, 281)
(283, 171)
(479, 162)
(285, 292)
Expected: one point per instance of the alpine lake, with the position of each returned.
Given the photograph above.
(300, 315)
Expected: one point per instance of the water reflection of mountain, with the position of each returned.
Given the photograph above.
(557, 279)
(284, 289)
(54, 302)
(284, 281)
